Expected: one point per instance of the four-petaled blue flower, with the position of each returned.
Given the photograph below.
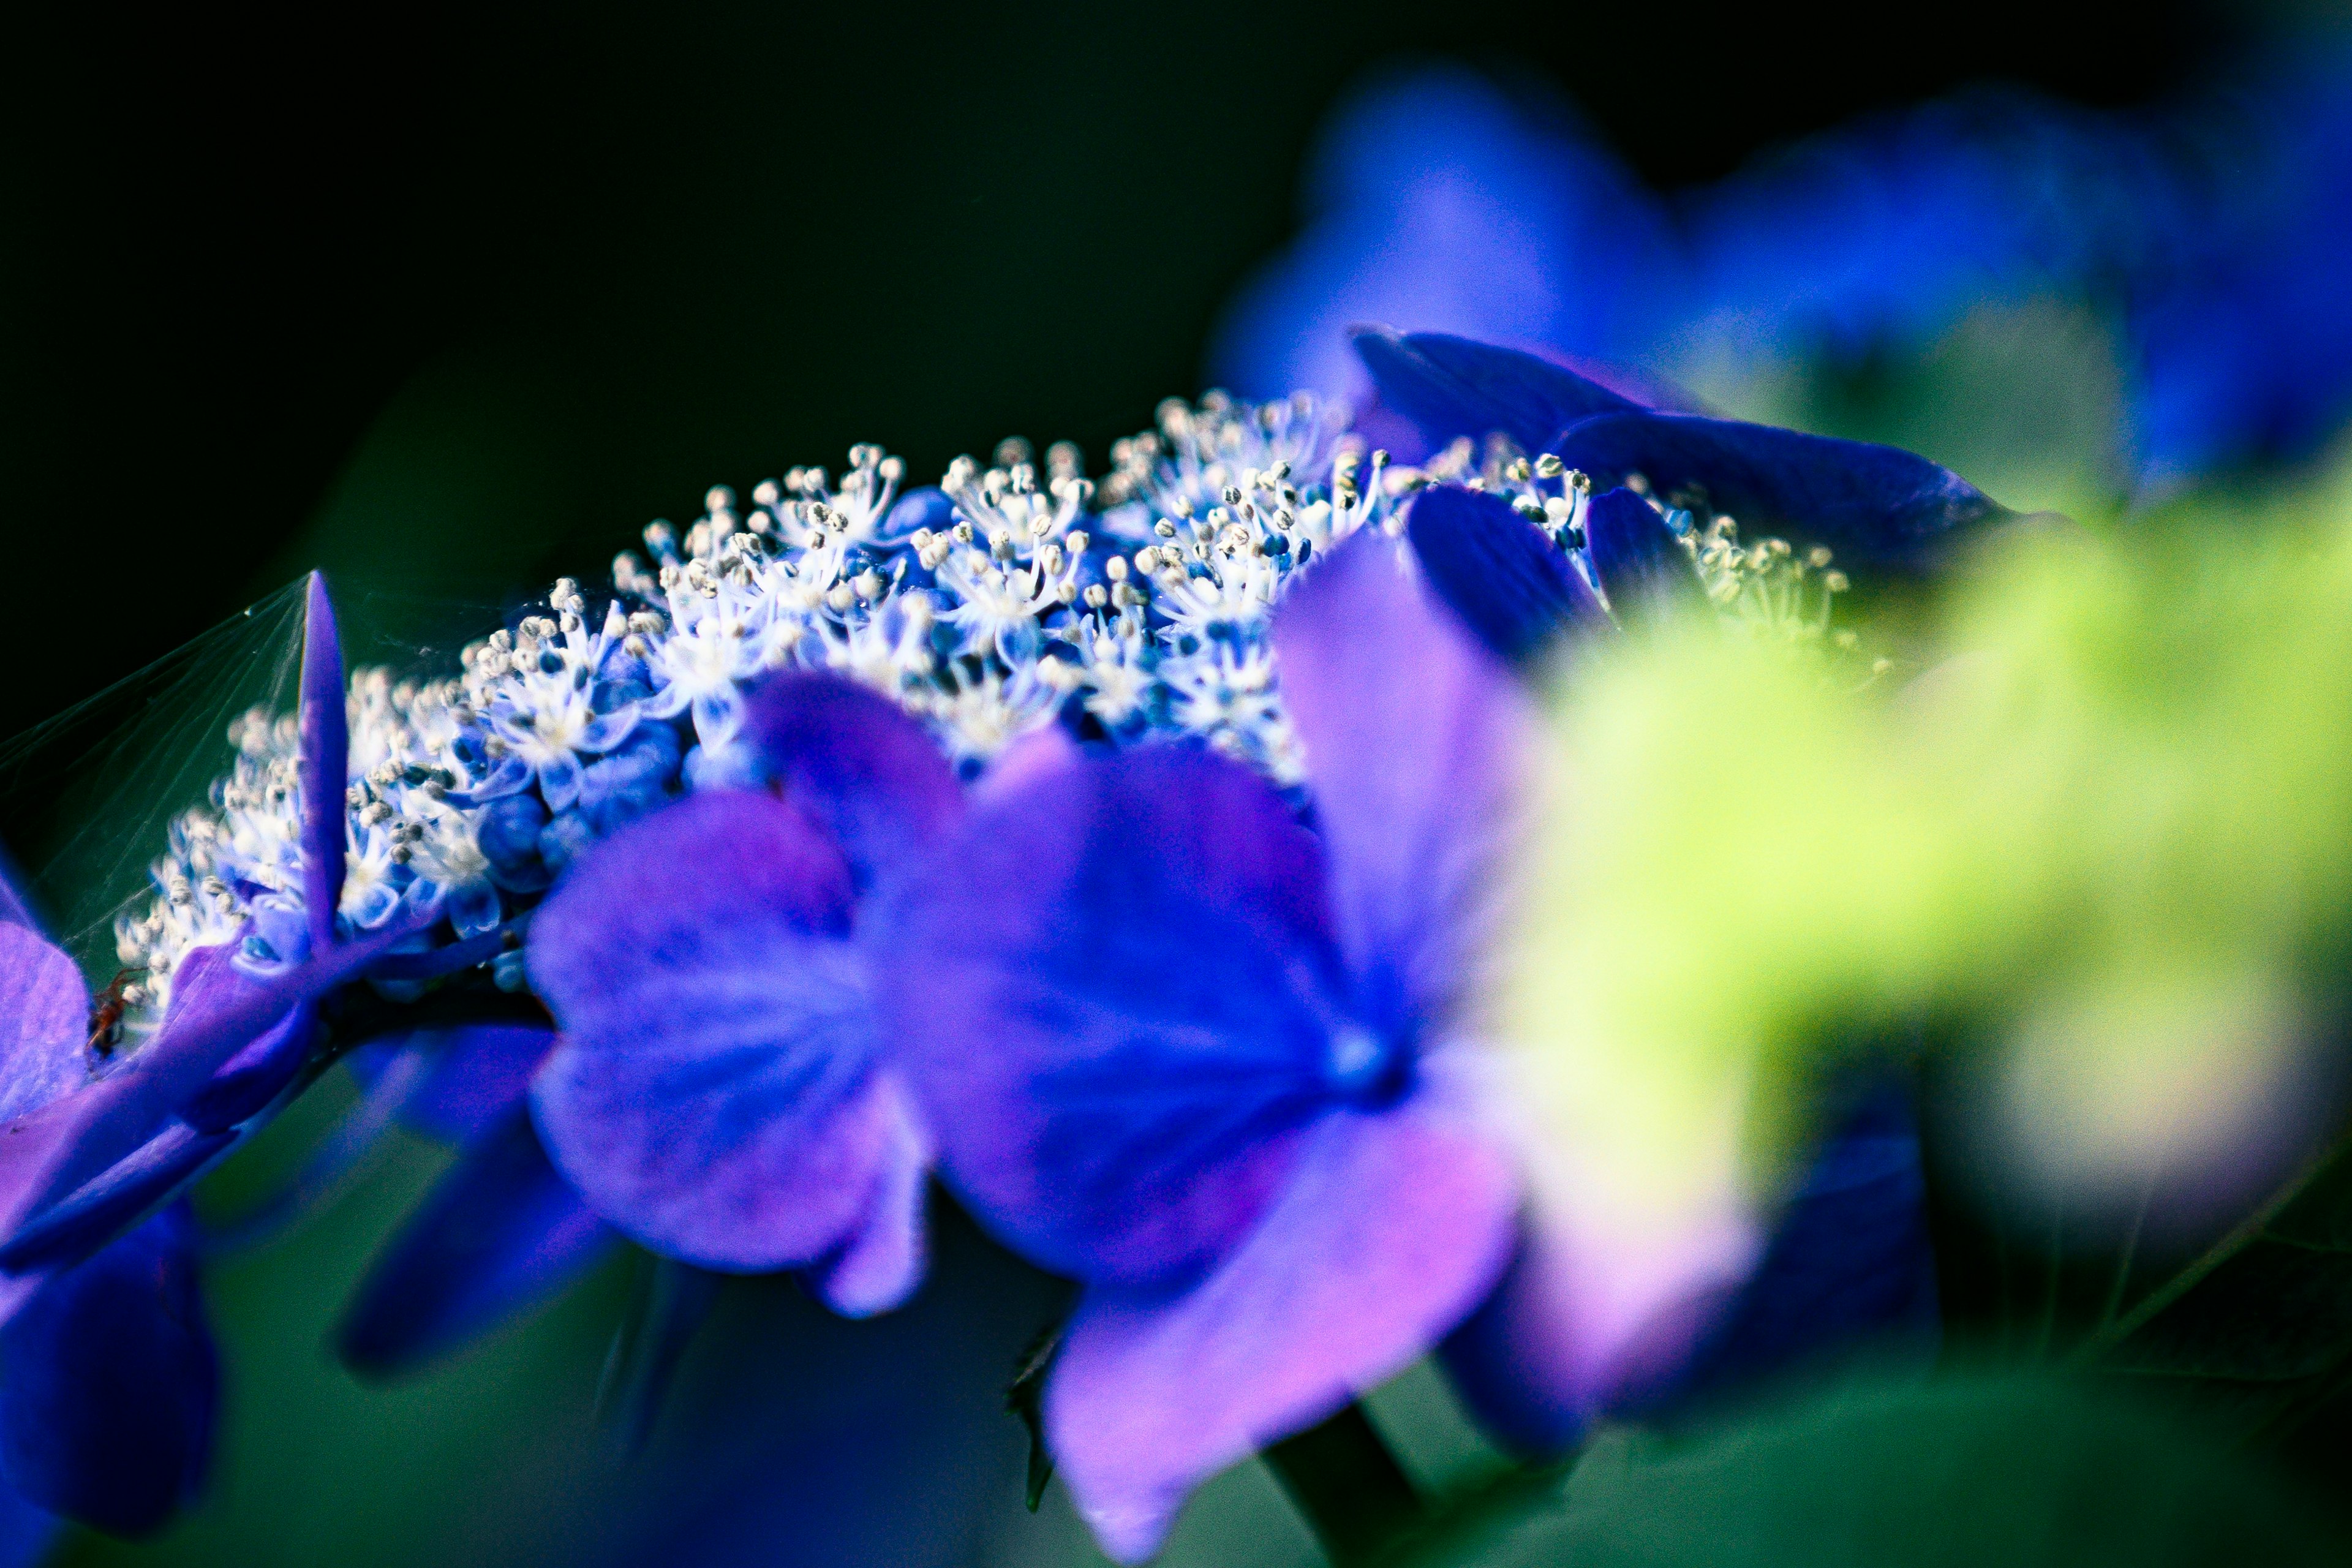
(720, 1092)
(1221, 1069)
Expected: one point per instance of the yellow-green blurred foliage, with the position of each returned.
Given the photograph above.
(2097, 839)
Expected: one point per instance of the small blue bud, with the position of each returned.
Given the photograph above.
(509, 833)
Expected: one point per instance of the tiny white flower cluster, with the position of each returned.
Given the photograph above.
(241, 857)
(1767, 589)
(1000, 602)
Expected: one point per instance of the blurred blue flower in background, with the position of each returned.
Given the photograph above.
(1435, 202)
(2246, 351)
(2208, 235)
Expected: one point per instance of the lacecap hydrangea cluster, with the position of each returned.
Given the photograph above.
(1187, 789)
(1002, 600)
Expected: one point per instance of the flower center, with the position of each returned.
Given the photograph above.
(1361, 1066)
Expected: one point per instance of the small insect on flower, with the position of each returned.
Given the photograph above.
(105, 1015)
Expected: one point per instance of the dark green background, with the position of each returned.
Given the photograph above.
(561, 268)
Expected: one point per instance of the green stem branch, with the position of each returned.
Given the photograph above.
(1342, 1478)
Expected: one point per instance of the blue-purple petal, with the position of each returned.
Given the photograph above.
(881, 1263)
(715, 1092)
(474, 1075)
(106, 1415)
(1501, 573)
(619, 788)
(1449, 387)
(1119, 987)
(924, 506)
(1850, 1266)
(1874, 507)
(323, 766)
(26, 1533)
(859, 764)
(1414, 737)
(608, 731)
(1391, 1228)
(500, 1233)
(250, 1080)
(97, 1212)
(1648, 575)
(44, 1021)
(53, 1150)
(512, 775)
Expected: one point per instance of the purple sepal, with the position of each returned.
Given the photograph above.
(924, 506)
(44, 1021)
(1501, 573)
(499, 1234)
(1515, 1361)
(26, 1533)
(881, 1263)
(249, 1080)
(1873, 506)
(714, 1094)
(1850, 1266)
(106, 1415)
(1392, 1227)
(51, 1151)
(323, 767)
(1415, 738)
(1449, 387)
(210, 981)
(35, 1141)
(1034, 755)
(1127, 988)
(1585, 1319)
(858, 764)
(431, 964)
(474, 1075)
(69, 1231)
(1648, 575)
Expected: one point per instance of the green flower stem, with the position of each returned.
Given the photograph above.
(1342, 1478)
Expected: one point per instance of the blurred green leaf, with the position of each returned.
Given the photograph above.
(1966, 1472)
(2091, 860)
(2258, 1330)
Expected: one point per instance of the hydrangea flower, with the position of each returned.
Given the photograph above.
(720, 1091)
(108, 1412)
(463, 798)
(1523, 549)
(1224, 1070)
(1143, 772)
(1218, 1069)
